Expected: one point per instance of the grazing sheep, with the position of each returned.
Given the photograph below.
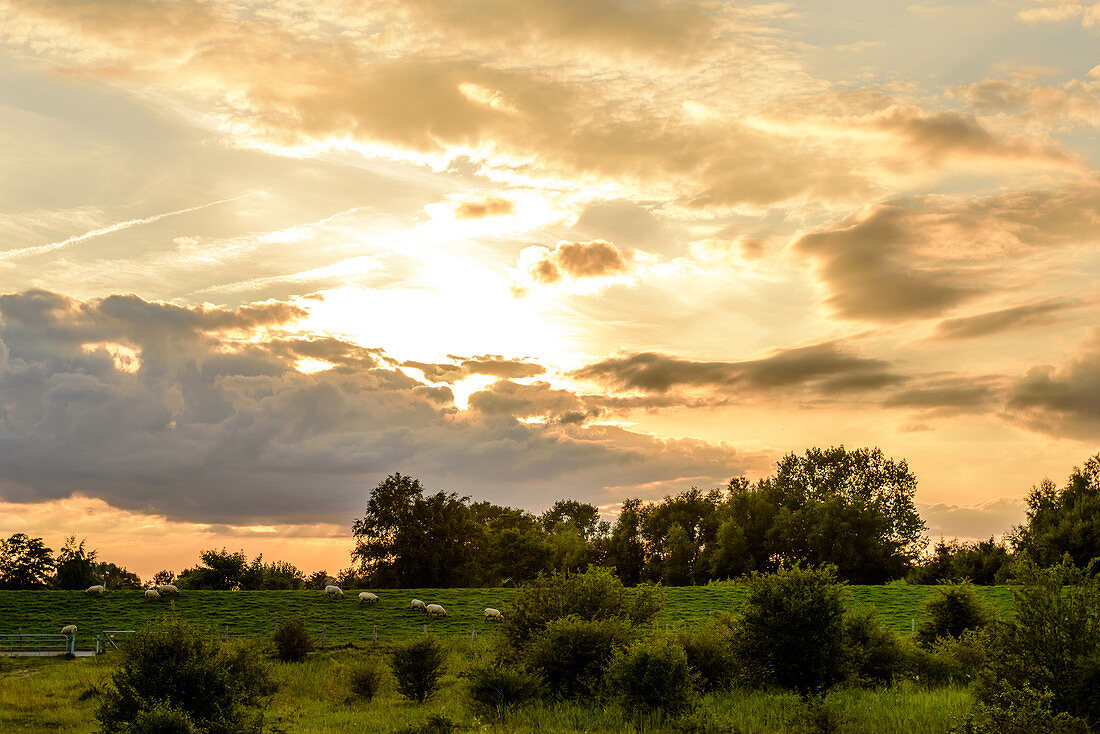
(433, 609)
(417, 604)
(168, 590)
(95, 590)
(152, 594)
(334, 591)
(69, 630)
(491, 613)
(366, 596)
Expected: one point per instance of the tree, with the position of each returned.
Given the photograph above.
(1061, 521)
(116, 577)
(25, 562)
(583, 517)
(220, 571)
(625, 550)
(163, 576)
(75, 567)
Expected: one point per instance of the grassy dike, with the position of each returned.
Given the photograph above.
(256, 613)
(52, 695)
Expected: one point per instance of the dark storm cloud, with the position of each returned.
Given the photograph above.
(659, 373)
(1062, 401)
(150, 407)
(994, 322)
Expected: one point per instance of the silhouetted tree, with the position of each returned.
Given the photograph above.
(75, 566)
(1061, 521)
(25, 562)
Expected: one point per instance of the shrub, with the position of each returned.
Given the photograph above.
(172, 667)
(292, 641)
(434, 724)
(1020, 711)
(417, 667)
(711, 657)
(791, 630)
(1052, 647)
(365, 678)
(956, 610)
(652, 676)
(161, 718)
(819, 715)
(872, 653)
(593, 595)
(571, 655)
(496, 689)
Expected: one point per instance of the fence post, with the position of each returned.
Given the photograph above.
(227, 633)
(374, 635)
(425, 629)
(324, 635)
(97, 643)
(912, 626)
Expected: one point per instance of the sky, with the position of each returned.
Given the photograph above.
(256, 255)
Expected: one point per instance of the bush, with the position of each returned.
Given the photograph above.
(495, 689)
(417, 667)
(292, 641)
(652, 676)
(1050, 649)
(711, 657)
(791, 630)
(873, 654)
(593, 595)
(571, 655)
(434, 724)
(1020, 711)
(956, 610)
(365, 678)
(161, 718)
(172, 673)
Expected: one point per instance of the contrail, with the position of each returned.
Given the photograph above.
(39, 249)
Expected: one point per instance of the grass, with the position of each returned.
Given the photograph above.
(54, 694)
(256, 613)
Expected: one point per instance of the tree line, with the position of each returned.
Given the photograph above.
(851, 509)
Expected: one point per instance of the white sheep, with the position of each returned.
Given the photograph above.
(491, 613)
(69, 630)
(417, 604)
(152, 594)
(433, 609)
(167, 590)
(366, 596)
(334, 591)
(95, 590)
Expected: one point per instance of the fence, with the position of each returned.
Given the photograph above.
(108, 639)
(37, 644)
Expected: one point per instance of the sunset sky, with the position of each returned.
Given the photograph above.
(258, 254)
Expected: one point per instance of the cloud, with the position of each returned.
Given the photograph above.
(1006, 319)
(921, 257)
(987, 519)
(493, 206)
(492, 365)
(821, 364)
(1073, 105)
(573, 260)
(1062, 401)
(213, 425)
(944, 396)
(1053, 11)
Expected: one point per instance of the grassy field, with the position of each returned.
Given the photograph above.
(53, 694)
(256, 613)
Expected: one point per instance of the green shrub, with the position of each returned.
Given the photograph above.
(791, 629)
(954, 611)
(1052, 646)
(365, 678)
(1020, 711)
(292, 641)
(652, 676)
(818, 715)
(161, 718)
(711, 657)
(417, 667)
(495, 689)
(873, 654)
(571, 655)
(171, 666)
(593, 595)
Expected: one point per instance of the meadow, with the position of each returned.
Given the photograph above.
(256, 613)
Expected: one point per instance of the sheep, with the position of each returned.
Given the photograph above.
(366, 596)
(334, 591)
(167, 590)
(95, 590)
(433, 609)
(152, 594)
(417, 604)
(69, 630)
(491, 613)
